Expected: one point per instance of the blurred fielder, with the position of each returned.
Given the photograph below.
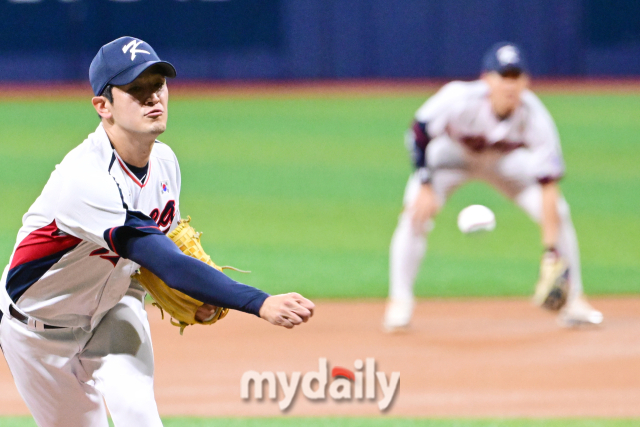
(74, 332)
(496, 130)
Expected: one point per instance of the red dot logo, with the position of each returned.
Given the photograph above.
(341, 372)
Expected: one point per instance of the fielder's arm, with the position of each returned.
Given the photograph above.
(425, 205)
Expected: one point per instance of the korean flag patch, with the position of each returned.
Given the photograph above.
(164, 187)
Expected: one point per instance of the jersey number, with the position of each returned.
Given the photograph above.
(165, 218)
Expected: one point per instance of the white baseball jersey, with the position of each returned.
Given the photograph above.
(64, 270)
(462, 110)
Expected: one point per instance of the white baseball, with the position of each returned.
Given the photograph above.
(476, 218)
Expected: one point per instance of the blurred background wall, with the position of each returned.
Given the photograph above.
(42, 40)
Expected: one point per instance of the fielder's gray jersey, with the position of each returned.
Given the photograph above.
(462, 110)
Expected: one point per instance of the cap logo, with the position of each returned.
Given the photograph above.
(133, 45)
(507, 55)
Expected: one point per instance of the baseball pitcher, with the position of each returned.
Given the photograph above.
(74, 330)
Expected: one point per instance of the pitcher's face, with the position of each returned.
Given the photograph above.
(142, 105)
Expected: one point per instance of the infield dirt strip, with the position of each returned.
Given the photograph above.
(462, 358)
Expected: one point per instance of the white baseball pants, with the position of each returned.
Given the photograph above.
(66, 375)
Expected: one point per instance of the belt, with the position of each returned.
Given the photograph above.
(24, 319)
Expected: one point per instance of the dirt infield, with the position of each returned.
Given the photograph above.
(462, 358)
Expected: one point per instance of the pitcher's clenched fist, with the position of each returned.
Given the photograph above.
(287, 310)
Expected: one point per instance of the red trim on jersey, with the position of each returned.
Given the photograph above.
(113, 248)
(41, 243)
(132, 176)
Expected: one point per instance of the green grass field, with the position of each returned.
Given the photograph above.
(305, 192)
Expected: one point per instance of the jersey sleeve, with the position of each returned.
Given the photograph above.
(544, 142)
(437, 111)
(431, 121)
(91, 208)
(88, 205)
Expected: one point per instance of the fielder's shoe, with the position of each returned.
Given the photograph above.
(579, 312)
(398, 314)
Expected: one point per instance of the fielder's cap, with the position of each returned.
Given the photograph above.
(504, 57)
(122, 61)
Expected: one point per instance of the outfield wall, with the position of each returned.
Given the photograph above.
(52, 40)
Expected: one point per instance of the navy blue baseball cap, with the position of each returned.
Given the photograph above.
(504, 57)
(122, 61)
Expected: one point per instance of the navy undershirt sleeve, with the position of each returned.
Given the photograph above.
(136, 224)
(161, 256)
(420, 141)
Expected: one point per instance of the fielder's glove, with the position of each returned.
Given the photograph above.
(181, 307)
(553, 285)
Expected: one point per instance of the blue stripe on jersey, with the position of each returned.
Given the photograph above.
(136, 224)
(21, 277)
(124, 205)
(113, 159)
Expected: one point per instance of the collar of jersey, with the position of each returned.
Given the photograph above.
(131, 175)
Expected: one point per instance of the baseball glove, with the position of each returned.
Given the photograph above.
(553, 285)
(181, 307)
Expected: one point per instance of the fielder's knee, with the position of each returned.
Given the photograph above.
(406, 222)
